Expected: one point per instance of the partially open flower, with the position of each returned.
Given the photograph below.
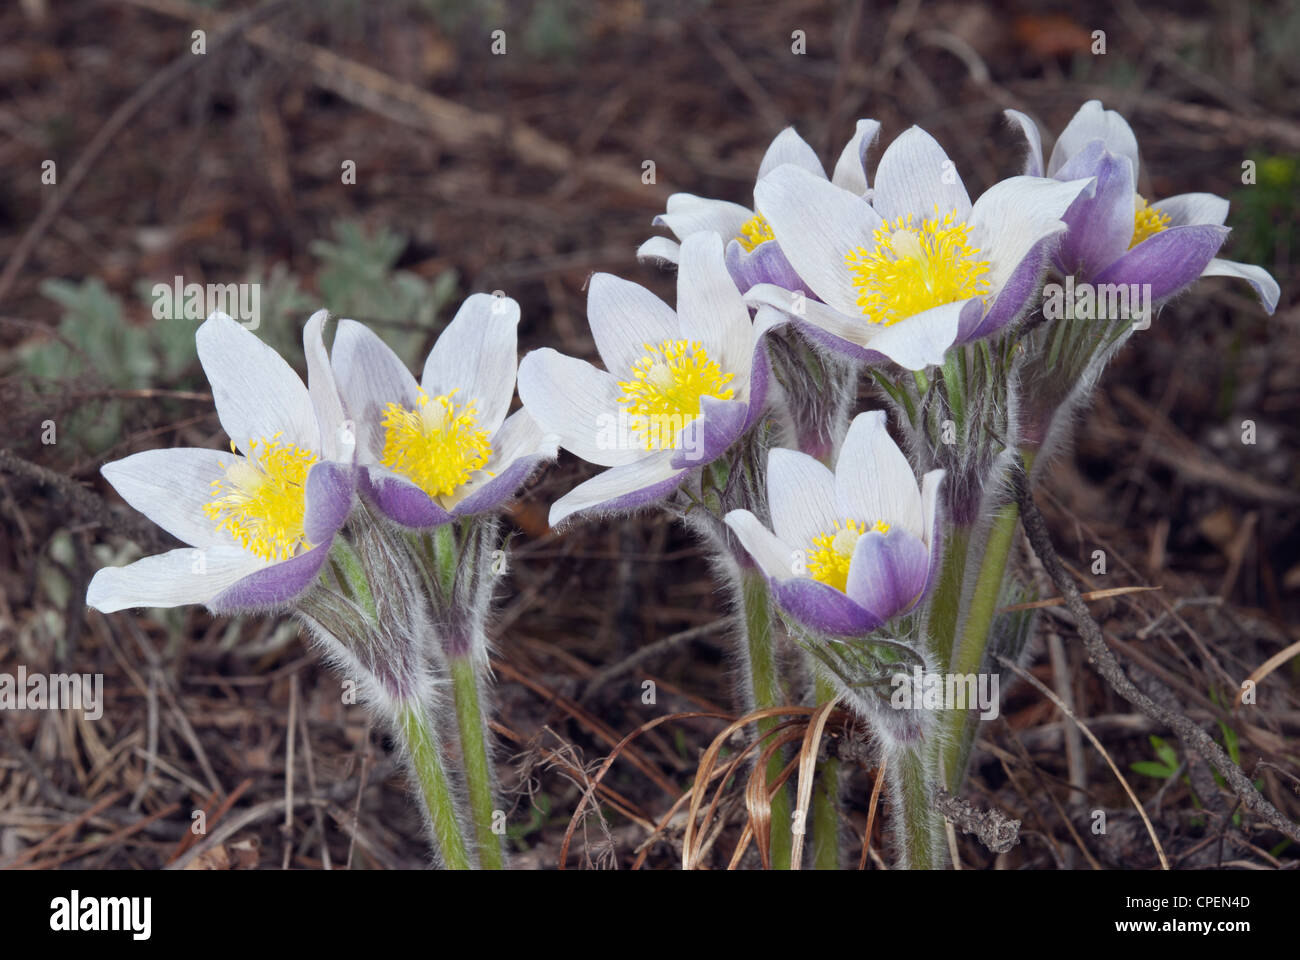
(919, 268)
(852, 549)
(1115, 236)
(753, 254)
(259, 518)
(679, 388)
(442, 448)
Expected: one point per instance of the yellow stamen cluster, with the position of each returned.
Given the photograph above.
(829, 560)
(261, 498)
(914, 268)
(437, 446)
(1147, 221)
(755, 231)
(665, 390)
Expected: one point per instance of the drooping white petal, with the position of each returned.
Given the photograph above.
(369, 376)
(621, 489)
(624, 317)
(851, 168)
(1033, 141)
(1192, 208)
(873, 480)
(1012, 216)
(1094, 123)
(477, 356)
(801, 497)
(817, 225)
(1266, 287)
(915, 176)
(172, 579)
(579, 404)
(789, 147)
(337, 442)
(255, 391)
(659, 250)
(710, 308)
(774, 557)
(171, 488)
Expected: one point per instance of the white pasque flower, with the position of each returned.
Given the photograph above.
(259, 518)
(679, 387)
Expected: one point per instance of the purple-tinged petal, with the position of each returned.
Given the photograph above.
(888, 572)
(766, 263)
(774, 557)
(518, 449)
(272, 586)
(172, 579)
(621, 489)
(1092, 123)
(1100, 224)
(823, 608)
(1021, 288)
(330, 489)
(400, 500)
(1168, 261)
(707, 437)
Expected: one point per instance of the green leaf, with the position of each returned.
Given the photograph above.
(1149, 768)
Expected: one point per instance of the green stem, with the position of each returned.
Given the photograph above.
(416, 732)
(944, 610)
(908, 768)
(477, 763)
(765, 688)
(969, 653)
(826, 799)
(446, 557)
(348, 567)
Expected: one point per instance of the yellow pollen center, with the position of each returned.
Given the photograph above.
(914, 268)
(1147, 221)
(754, 231)
(437, 446)
(261, 498)
(664, 393)
(829, 561)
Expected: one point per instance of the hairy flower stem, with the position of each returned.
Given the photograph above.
(826, 798)
(946, 606)
(415, 729)
(765, 691)
(910, 775)
(477, 762)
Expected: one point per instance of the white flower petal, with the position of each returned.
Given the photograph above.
(817, 225)
(915, 176)
(1012, 216)
(710, 308)
(171, 488)
(477, 356)
(1094, 123)
(519, 436)
(659, 250)
(324, 392)
(370, 376)
(873, 480)
(172, 579)
(851, 168)
(1266, 287)
(921, 340)
(1033, 141)
(774, 557)
(689, 214)
(621, 489)
(256, 392)
(930, 484)
(624, 317)
(1188, 209)
(789, 147)
(801, 497)
(579, 404)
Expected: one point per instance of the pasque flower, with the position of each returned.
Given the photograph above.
(679, 387)
(1115, 235)
(444, 447)
(851, 549)
(260, 517)
(752, 252)
(920, 267)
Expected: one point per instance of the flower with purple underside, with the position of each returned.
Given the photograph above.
(852, 549)
(919, 268)
(259, 518)
(1114, 235)
(678, 388)
(443, 448)
(753, 255)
